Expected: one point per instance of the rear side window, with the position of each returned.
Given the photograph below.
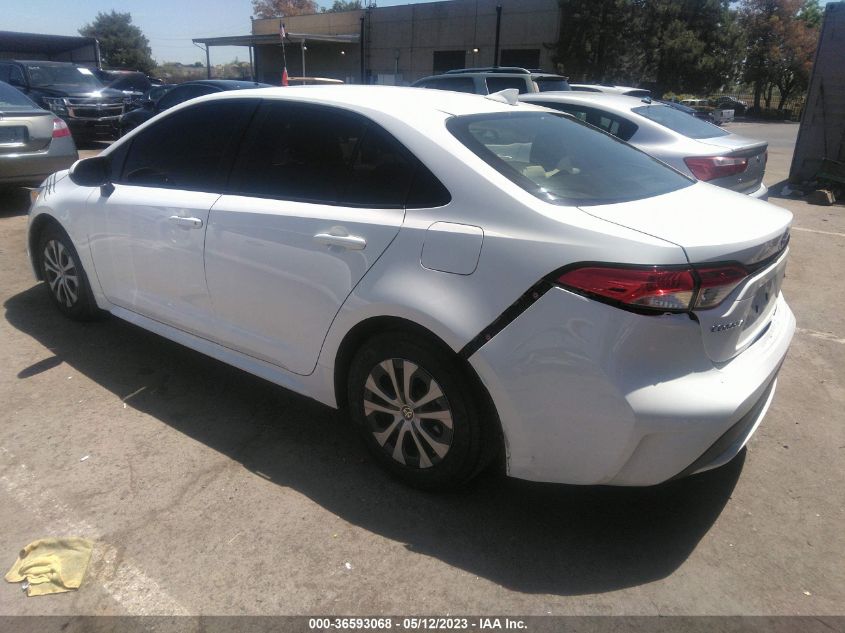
(298, 153)
(563, 161)
(495, 84)
(190, 149)
(326, 155)
(607, 121)
(680, 122)
(456, 84)
(13, 99)
(552, 84)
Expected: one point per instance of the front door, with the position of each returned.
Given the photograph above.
(148, 235)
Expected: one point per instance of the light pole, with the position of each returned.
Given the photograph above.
(304, 48)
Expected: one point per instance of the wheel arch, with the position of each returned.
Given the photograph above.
(36, 229)
(369, 327)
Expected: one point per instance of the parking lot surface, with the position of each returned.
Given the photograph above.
(210, 491)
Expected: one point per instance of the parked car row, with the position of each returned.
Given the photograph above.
(466, 276)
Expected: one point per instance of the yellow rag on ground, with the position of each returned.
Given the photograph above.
(52, 565)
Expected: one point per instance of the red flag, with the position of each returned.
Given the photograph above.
(285, 76)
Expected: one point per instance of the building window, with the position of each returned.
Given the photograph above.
(450, 60)
(522, 58)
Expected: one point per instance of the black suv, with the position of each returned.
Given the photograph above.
(71, 92)
(484, 81)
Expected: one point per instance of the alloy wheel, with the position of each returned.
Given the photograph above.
(408, 413)
(61, 273)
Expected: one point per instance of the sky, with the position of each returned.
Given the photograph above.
(168, 24)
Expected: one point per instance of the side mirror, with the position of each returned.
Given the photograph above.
(91, 172)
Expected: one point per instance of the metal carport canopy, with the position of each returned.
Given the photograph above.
(19, 44)
(273, 38)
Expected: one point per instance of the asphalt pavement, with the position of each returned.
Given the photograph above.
(209, 491)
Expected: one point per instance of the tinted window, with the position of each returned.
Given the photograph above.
(456, 84)
(563, 161)
(187, 150)
(4, 72)
(132, 81)
(299, 153)
(13, 99)
(607, 121)
(495, 84)
(426, 191)
(382, 172)
(183, 93)
(679, 122)
(16, 76)
(551, 84)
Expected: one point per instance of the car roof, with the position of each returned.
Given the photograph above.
(604, 99)
(40, 62)
(225, 84)
(391, 100)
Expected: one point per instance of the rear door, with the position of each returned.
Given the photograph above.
(318, 193)
(149, 231)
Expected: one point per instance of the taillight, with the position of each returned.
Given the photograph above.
(710, 167)
(60, 128)
(656, 288)
(717, 283)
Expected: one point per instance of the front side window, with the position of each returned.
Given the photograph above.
(563, 161)
(183, 93)
(680, 122)
(190, 149)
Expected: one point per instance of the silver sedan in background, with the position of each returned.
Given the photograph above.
(34, 143)
(690, 145)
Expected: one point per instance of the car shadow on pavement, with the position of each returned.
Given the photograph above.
(13, 201)
(536, 538)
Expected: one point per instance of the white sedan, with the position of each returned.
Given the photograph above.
(467, 276)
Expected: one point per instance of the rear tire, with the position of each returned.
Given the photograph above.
(418, 412)
(64, 277)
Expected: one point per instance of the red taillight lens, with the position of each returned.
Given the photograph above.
(649, 287)
(710, 167)
(655, 287)
(717, 283)
(60, 128)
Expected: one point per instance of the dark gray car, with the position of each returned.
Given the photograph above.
(33, 142)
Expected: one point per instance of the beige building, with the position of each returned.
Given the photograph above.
(398, 45)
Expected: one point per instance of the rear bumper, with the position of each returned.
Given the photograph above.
(590, 394)
(762, 192)
(32, 168)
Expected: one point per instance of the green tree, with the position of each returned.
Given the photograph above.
(280, 8)
(781, 42)
(344, 5)
(122, 44)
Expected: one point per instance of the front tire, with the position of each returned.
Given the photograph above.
(64, 276)
(418, 412)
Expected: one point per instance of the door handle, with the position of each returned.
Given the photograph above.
(349, 242)
(190, 223)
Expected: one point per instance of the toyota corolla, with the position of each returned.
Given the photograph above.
(466, 276)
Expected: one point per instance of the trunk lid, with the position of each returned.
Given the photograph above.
(734, 146)
(23, 131)
(716, 225)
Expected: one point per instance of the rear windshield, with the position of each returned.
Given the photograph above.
(563, 161)
(552, 84)
(680, 122)
(13, 99)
